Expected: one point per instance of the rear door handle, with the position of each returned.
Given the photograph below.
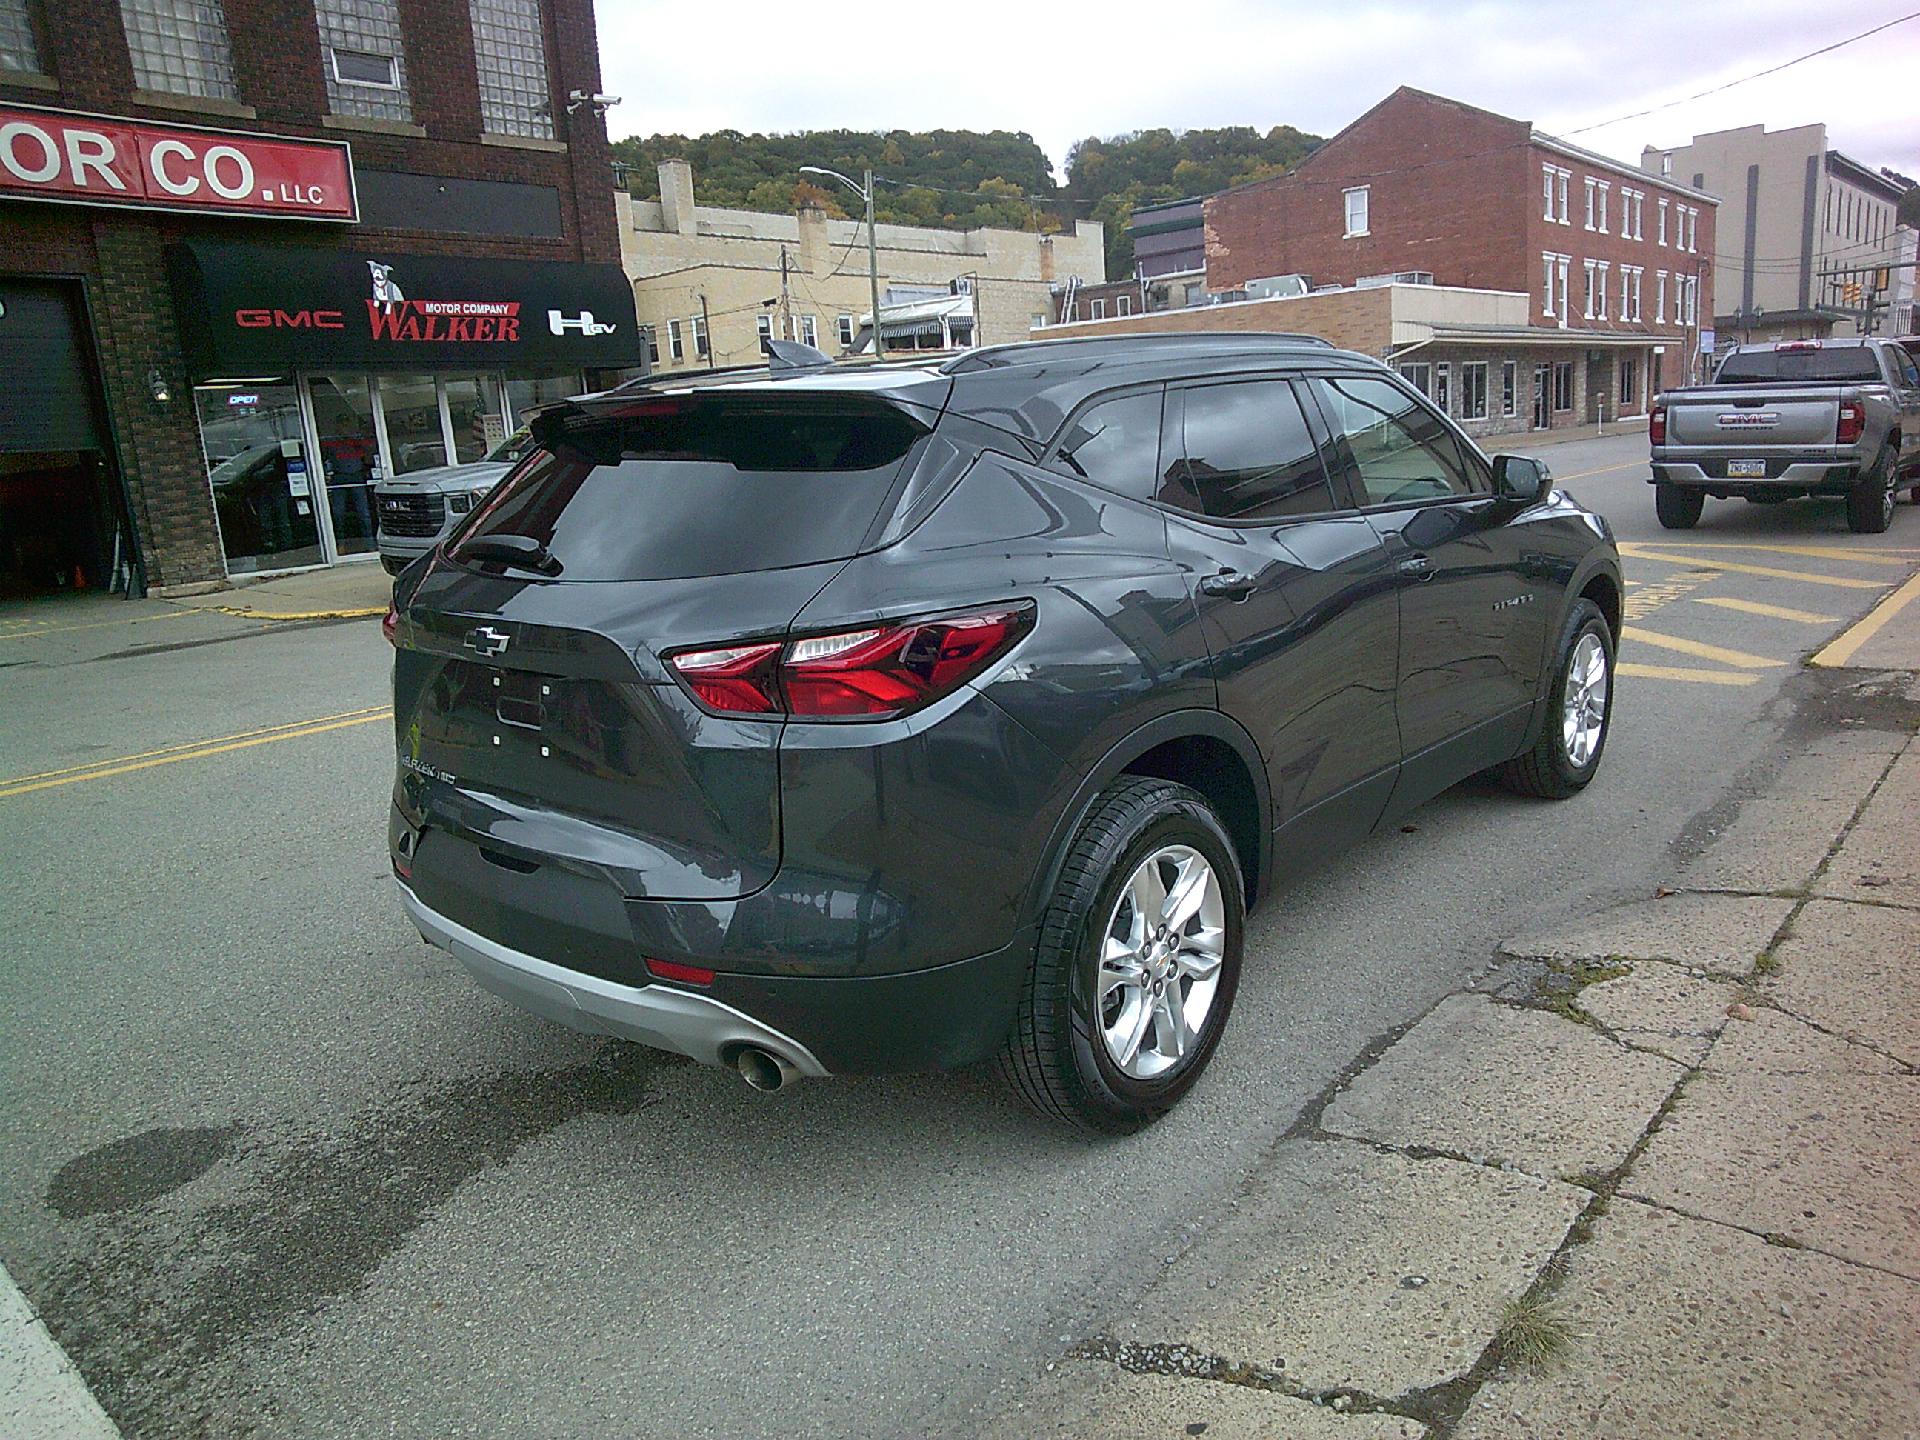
(1233, 584)
(1418, 566)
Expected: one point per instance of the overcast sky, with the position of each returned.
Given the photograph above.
(1066, 70)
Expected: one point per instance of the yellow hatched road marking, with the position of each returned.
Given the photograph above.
(1845, 582)
(1863, 630)
(1774, 612)
(1675, 672)
(1879, 555)
(367, 711)
(53, 779)
(43, 629)
(1739, 659)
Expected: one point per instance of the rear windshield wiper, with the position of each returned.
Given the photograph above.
(522, 552)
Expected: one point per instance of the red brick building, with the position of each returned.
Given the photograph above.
(1616, 261)
(254, 254)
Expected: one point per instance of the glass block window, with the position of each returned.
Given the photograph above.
(18, 49)
(364, 60)
(180, 47)
(510, 49)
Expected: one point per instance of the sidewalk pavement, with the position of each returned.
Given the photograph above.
(337, 592)
(1526, 442)
(1654, 1175)
(42, 1396)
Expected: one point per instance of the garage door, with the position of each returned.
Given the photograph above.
(50, 392)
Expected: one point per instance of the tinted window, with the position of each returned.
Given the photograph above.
(702, 489)
(1757, 367)
(1249, 453)
(1401, 450)
(1116, 444)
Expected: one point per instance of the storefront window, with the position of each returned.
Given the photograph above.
(349, 456)
(257, 465)
(473, 405)
(414, 437)
(524, 392)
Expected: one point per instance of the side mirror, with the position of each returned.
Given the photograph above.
(1521, 479)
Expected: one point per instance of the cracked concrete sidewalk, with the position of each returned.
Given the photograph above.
(1657, 1174)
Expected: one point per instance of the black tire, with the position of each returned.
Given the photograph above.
(1870, 502)
(1678, 509)
(1546, 770)
(1055, 1059)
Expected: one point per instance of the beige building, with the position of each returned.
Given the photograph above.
(1475, 353)
(1800, 223)
(708, 282)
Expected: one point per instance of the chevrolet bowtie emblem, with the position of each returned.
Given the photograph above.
(487, 641)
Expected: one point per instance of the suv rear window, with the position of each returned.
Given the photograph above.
(1841, 362)
(701, 487)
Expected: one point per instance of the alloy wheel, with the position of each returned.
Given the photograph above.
(1583, 717)
(1160, 961)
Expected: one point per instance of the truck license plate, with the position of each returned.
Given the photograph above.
(1746, 469)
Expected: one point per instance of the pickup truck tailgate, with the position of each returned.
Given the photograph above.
(1786, 417)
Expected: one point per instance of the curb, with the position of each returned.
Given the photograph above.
(42, 1394)
(360, 613)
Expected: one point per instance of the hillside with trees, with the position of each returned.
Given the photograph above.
(963, 179)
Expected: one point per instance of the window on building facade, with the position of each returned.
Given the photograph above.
(1604, 272)
(1419, 375)
(510, 53)
(1563, 385)
(844, 325)
(1123, 305)
(1592, 271)
(1357, 202)
(1593, 209)
(1566, 180)
(1509, 387)
(366, 68)
(180, 47)
(652, 339)
(1606, 188)
(1639, 314)
(1443, 388)
(1035, 321)
(676, 342)
(1659, 297)
(1547, 174)
(1473, 390)
(807, 330)
(699, 326)
(763, 323)
(1629, 380)
(1663, 220)
(1097, 309)
(19, 48)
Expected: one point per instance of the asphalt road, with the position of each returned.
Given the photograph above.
(270, 1166)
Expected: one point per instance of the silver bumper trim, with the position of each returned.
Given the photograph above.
(1680, 472)
(661, 1016)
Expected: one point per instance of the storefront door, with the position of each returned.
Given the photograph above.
(257, 464)
(349, 456)
(1542, 396)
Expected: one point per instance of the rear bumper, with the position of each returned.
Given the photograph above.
(933, 1019)
(662, 1016)
(1798, 476)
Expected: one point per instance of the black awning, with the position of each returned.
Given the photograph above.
(264, 310)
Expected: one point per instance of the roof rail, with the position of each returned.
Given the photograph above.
(1034, 352)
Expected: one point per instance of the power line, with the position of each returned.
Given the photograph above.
(1757, 75)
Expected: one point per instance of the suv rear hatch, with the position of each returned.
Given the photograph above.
(535, 716)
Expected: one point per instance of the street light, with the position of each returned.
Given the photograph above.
(865, 192)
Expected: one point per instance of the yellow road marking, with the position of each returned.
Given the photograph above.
(1774, 612)
(1880, 555)
(93, 625)
(1841, 650)
(1604, 470)
(1845, 582)
(1675, 672)
(25, 785)
(365, 711)
(1739, 659)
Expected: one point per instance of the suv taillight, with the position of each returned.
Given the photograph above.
(870, 674)
(390, 626)
(1657, 426)
(1853, 420)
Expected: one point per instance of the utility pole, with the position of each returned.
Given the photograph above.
(786, 312)
(873, 272)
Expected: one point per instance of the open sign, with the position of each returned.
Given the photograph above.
(71, 158)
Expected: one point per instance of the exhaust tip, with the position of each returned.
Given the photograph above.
(761, 1069)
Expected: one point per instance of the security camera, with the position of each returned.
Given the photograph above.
(600, 103)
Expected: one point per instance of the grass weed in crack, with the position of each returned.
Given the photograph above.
(1534, 1334)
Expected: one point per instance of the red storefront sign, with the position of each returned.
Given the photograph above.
(77, 159)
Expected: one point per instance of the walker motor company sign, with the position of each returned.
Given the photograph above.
(77, 159)
(260, 310)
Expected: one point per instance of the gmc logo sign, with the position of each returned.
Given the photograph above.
(289, 320)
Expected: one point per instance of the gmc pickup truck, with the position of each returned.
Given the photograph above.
(1802, 417)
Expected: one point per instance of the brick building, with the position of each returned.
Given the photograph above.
(1617, 262)
(254, 254)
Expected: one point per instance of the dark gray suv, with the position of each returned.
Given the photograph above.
(902, 716)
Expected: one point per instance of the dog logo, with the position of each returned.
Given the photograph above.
(386, 290)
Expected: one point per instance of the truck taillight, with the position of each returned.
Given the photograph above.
(1853, 421)
(869, 674)
(1657, 425)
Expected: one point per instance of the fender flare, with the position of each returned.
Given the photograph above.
(1174, 725)
(1598, 563)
